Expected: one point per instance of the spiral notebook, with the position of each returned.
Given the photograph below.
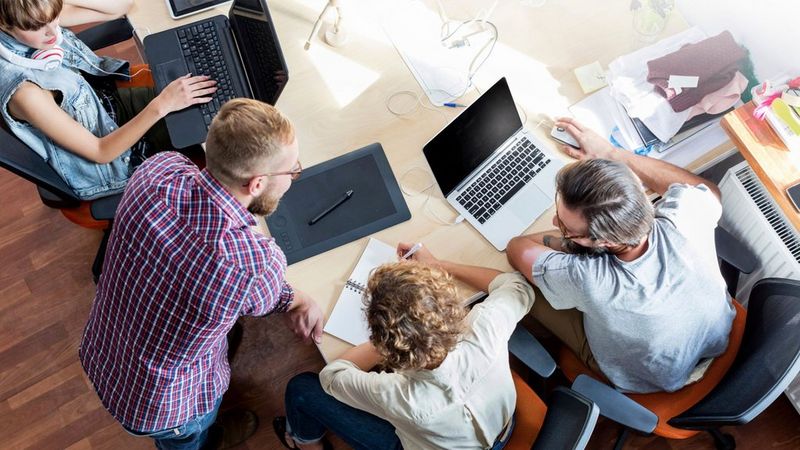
(347, 321)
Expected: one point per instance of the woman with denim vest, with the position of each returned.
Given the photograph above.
(85, 135)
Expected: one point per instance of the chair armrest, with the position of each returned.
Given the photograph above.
(569, 422)
(527, 349)
(105, 208)
(106, 33)
(616, 405)
(733, 252)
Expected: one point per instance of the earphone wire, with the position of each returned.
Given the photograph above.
(77, 51)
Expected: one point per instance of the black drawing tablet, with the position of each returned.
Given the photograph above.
(376, 203)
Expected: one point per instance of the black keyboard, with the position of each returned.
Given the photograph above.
(264, 51)
(504, 178)
(201, 49)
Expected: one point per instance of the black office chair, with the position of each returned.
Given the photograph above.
(568, 419)
(768, 360)
(19, 159)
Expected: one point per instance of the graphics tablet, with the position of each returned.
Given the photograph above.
(375, 203)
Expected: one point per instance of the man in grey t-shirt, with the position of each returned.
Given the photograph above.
(635, 291)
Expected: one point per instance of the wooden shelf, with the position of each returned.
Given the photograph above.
(776, 166)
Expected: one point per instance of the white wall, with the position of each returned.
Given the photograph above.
(770, 29)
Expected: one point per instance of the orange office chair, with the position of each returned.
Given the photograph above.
(565, 423)
(653, 413)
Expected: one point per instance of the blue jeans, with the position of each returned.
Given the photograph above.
(310, 411)
(192, 435)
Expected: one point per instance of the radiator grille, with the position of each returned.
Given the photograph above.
(765, 204)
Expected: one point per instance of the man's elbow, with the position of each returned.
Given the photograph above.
(514, 250)
(714, 189)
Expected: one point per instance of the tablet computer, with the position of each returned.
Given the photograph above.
(182, 8)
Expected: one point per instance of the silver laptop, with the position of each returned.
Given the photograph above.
(493, 172)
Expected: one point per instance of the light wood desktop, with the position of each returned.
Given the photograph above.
(336, 98)
(776, 166)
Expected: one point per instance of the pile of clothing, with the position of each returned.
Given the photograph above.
(679, 84)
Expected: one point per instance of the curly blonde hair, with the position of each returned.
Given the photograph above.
(414, 314)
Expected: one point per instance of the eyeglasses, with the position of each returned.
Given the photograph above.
(294, 173)
(563, 229)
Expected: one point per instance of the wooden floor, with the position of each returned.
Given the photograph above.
(46, 402)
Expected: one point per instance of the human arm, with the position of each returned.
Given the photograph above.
(79, 12)
(523, 251)
(304, 318)
(655, 174)
(475, 276)
(36, 106)
(365, 356)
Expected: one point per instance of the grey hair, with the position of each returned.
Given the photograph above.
(610, 197)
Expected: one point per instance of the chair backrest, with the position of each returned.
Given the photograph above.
(569, 422)
(21, 160)
(768, 360)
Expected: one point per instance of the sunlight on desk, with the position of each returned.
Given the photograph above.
(537, 91)
(344, 78)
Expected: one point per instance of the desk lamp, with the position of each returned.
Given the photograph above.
(334, 34)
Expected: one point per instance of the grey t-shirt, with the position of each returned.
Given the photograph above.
(650, 321)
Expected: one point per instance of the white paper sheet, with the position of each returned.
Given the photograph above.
(416, 32)
(347, 321)
(597, 112)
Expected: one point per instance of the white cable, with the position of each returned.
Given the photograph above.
(426, 203)
(78, 52)
(145, 29)
(417, 103)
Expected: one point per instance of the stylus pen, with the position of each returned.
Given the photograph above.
(328, 210)
(412, 250)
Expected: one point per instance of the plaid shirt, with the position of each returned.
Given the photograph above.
(182, 265)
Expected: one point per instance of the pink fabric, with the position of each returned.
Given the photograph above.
(718, 101)
(714, 61)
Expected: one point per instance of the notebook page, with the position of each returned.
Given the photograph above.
(347, 321)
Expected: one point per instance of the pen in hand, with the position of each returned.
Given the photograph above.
(412, 250)
(327, 210)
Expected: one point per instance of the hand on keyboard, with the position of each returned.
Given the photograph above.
(185, 91)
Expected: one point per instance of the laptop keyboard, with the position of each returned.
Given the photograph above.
(201, 49)
(504, 178)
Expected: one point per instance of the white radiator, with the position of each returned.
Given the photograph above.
(750, 214)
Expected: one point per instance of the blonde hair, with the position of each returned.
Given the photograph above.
(28, 15)
(414, 314)
(244, 133)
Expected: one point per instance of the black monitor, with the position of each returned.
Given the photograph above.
(260, 49)
(474, 135)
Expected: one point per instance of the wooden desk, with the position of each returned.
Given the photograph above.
(776, 166)
(336, 97)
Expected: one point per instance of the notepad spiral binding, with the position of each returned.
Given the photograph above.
(355, 286)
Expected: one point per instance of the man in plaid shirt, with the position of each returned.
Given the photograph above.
(183, 264)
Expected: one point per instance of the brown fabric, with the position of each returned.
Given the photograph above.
(565, 324)
(714, 60)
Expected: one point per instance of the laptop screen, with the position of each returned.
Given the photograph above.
(474, 135)
(261, 52)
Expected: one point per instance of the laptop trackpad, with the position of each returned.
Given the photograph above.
(168, 71)
(529, 204)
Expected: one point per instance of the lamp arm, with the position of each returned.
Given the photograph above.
(316, 25)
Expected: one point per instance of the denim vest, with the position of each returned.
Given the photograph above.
(86, 178)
